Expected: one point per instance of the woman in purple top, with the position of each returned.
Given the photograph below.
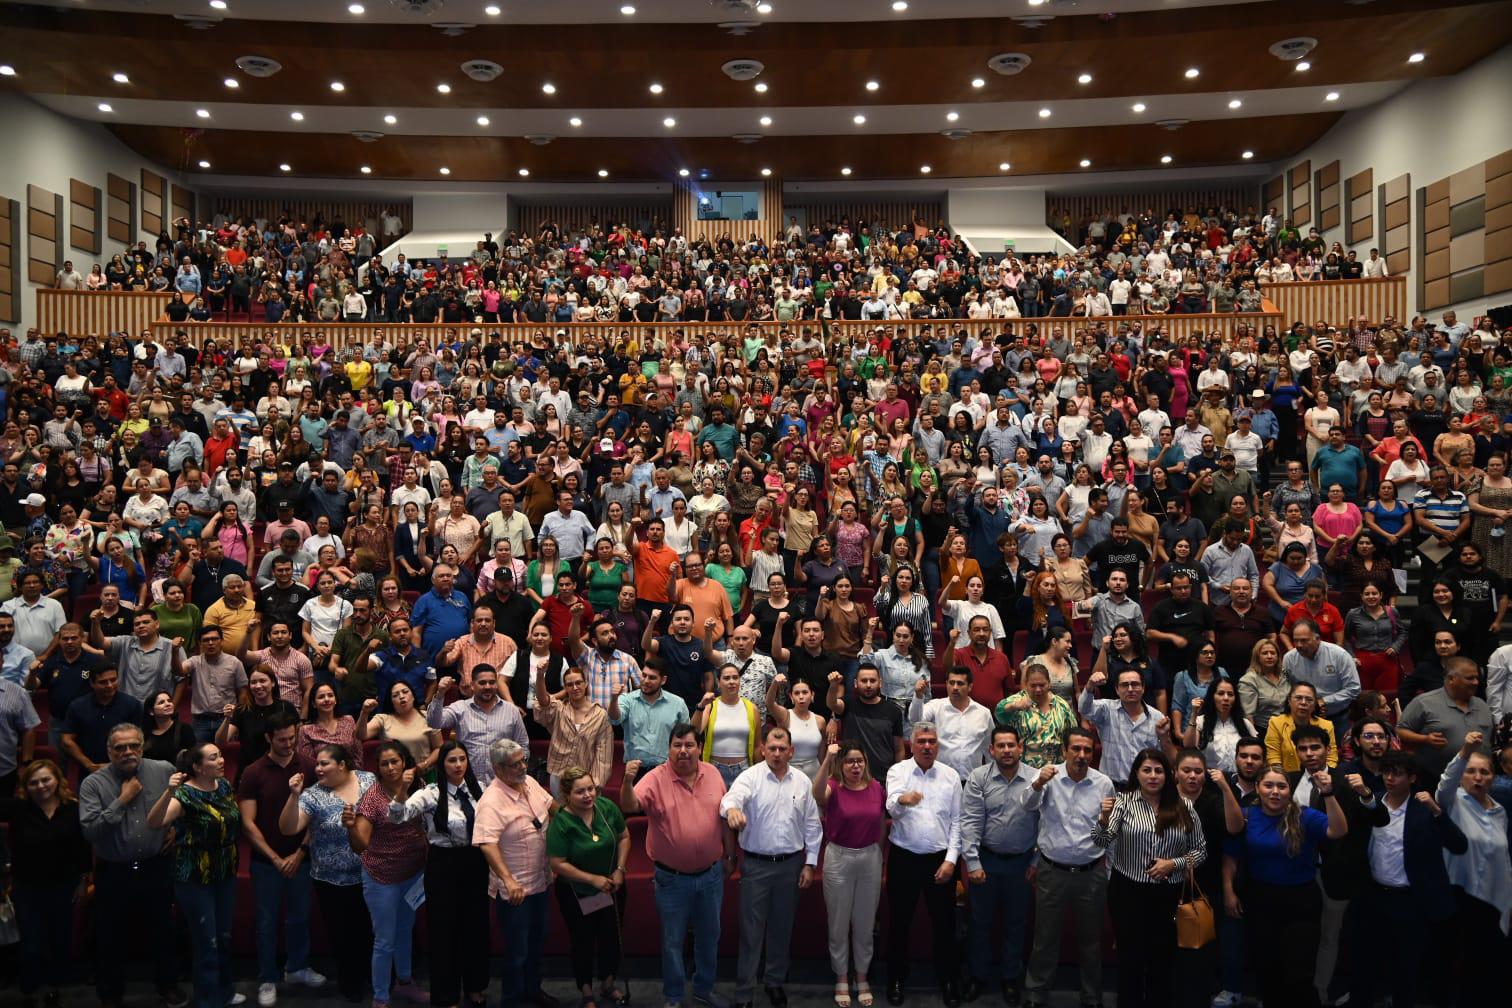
(852, 804)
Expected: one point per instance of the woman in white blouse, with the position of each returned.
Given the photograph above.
(456, 881)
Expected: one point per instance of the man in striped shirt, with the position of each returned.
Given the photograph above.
(1126, 725)
(1443, 516)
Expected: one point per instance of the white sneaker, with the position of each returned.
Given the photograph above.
(305, 977)
(1225, 999)
(236, 999)
(267, 995)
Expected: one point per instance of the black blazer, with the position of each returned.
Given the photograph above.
(406, 546)
(1425, 837)
(1346, 861)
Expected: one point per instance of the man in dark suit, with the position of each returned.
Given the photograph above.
(1408, 888)
(1345, 864)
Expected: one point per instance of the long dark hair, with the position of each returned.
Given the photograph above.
(1173, 811)
(1210, 711)
(469, 781)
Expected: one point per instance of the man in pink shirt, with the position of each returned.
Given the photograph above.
(890, 408)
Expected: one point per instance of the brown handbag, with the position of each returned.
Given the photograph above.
(1195, 926)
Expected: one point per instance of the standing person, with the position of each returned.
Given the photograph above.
(216, 680)
(963, 725)
(1126, 725)
(133, 874)
(587, 846)
(852, 804)
(49, 857)
(335, 868)
(393, 856)
(1155, 842)
(1282, 903)
(1070, 877)
(1439, 721)
(997, 845)
(775, 814)
(648, 714)
(691, 852)
(202, 802)
(730, 725)
(481, 719)
(580, 732)
(280, 866)
(1328, 668)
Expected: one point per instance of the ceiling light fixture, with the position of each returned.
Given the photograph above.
(1416, 57)
(444, 170)
(356, 8)
(656, 89)
(492, 10)
(604, 172)
(105, 107)
(204, 164)
(952, 116)
(336, 85)
(218, 4)
(924, 169)
(1085, 163)
(1044, 113)
(1192, 73)
(1247, 155)
(297, 116)
(548, 88)
(1303, 66)
(858, 119)
(203, 113)
(574, 121)
(845, 171)
(482, 120)
(366, 170)
(627, 10)
(900, 5)
(761, 87)
(6, 70)
(1085, 78)
(444, 88)
(1165, 159)
(764, 8)
(391, 119)
(683, 173)
(872, 85)
(231, 82)
(766, 172)
(524, 172)
(977, 82)
(285, 167)
(669, 122)
(1235, 103)
(120, 78)
(1331, 96)
(765, 120)
(1138, 106)
(1004, 166)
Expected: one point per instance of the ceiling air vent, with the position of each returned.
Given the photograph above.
(452, 29)
(367, 136)
(955, 134)
(745, 138)
(258, 66)
(735, 7)
(197, 22)
(1032, 21)
(743, 69)
(1009, 64)
(1172, 125)
(739, 28)
(482, 70)
(418, 8)
(539, 139)
(1293, 49)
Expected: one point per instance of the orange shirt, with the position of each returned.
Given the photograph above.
(709, 601)
(653, 571)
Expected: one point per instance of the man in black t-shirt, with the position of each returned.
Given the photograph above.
(809, 662)
(1122, 552)
(872, 720)
(1179, 624)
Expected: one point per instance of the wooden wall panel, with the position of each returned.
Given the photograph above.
(1273, 194)
(44, 235)
(1394, 202)
(154, 202)
(1498, 276)
(96, 313)
(1359, 208)
(1336, 300)
(85, 221)
(184, 203)
(888, 215)
(647, 214)
(1465, 234)
(120, 210)
(10, 260)
(1299, 195)
(1083, 207)
(1329, 195)
(349, 212)
(684, 207)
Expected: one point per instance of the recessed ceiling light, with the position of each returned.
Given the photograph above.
(204, 164)
(218, 4)
(683, 173)
(952, 116)
(872, 85)
(1416, 57)
(669, 122)
(105, 107)
(1085, 78)
(390, 119)
(1331, 96)
(858, 119)
(356, 8)
(1004, 166)
(1086, 163)
(1192, 73)
(761, 87)
(203, 113)
(627, 10)
(548, 88)
(120, 78)
(1165, 159)
(444, 88)
(766, 171)
(656, 89)
(604, 172)
(1138, 106)
(765, 120)
(845, 171)
(1235, 103)
(574, 121)
(444, 170)
(764, 8)
(977, 82)
(524, 172)
(6, 70)
(285, 167)
(900, 5)
(336, 85)
(1303, 66)
(1044, 113)
(482, 120)
(297, 116)
(1247, 155)
(492, 10)
(231, 82)
(924, 169)
(365, 170)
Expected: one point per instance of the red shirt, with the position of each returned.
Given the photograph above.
(1329, 620)
(559, 619)
(683, 829)
(991, 680)
(216, 450)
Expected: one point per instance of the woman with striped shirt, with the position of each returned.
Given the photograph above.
(1154, 838)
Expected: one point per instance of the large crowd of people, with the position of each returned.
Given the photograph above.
(1002, 617)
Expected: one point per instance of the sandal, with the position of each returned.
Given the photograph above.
(863, 994)
(842, 995)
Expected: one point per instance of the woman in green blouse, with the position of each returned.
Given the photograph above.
(200, 800)
(541, 573)
(1039, 716)
(604, 575)
(588, 845)
(178, 617)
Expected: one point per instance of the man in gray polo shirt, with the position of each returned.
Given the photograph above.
(1436, 722)
(146, 661)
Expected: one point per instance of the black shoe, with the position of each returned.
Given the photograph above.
(950, 995)
(777, 996)
(1012, 993)
(174, 997)
(895, 992)
(971, 989)
(541, 999)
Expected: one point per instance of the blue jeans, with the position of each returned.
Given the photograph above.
(524, 928)
(681, 901)
(204, 726)
(207, 909)
(1006, 891)
(930, 571)
(273, 894)
(393, 930)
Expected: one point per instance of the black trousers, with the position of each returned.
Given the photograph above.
(1483, 952)
(1282, 931)
(137, 898)
(1144, 923)
(457, 923)
(1373, 914)
(909, 877)
(595, 937)
(350, 931)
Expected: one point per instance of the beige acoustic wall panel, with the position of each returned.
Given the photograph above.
(44, 235)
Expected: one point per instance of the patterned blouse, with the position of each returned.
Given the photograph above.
(331, 856)
(207, 833)
(313, 735)
(1041, 732)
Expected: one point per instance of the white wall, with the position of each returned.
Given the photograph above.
(45, 149)
(988, 218)
(1432, 130)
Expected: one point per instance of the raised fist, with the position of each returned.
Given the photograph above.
(632, 769)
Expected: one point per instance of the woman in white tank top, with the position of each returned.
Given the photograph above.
(804, 727)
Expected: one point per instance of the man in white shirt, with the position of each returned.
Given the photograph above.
(1098, 305)
(924, 801)
(962, 724)
(1246, 446)
(1118, 294)
(1070, 877)
(1374, 268)
(772, 810)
